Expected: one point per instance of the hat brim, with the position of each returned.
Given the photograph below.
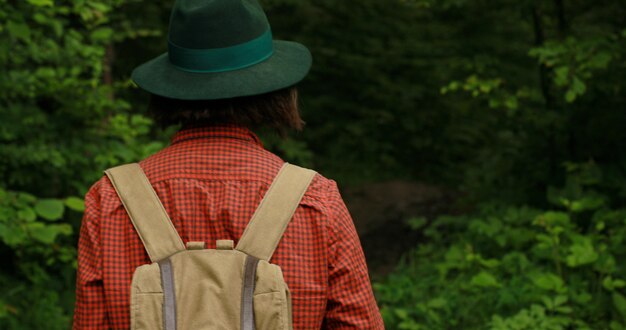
(289, 64)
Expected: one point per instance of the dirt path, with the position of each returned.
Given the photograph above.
(380, 211)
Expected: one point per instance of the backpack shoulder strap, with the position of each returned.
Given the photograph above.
(271, 218)
(146, 212)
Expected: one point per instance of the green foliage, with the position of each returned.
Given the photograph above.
(40, 247)
(575, 61)
(490, 98)
(517, 267)
(62, 124)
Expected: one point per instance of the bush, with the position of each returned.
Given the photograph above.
(516, 267)
(62, 122)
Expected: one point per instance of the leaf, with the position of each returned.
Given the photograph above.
(40, 232)
(548, 302)
(454, 254)
(3, 309)
(607, 283)
(511, 103)
(570, 96)
(582, 298)
(620, 303)
(547, 281)
(564, 309)
(12, 236)
(484, 279)
(578, 86)
(19, 30)
(26, 198)
(600, 60)
(561, 75)
(437, 303)
(401, 313)
(489, 263)
(417, 223)
(47, 234)
(552, 218)
(27, 214)
(102, 34)
(560, 300)
(41, 3)
(590, 202)
(581, 253)
(75, 203)
(49, 209)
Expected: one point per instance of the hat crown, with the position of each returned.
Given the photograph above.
(210, 24)
(220, 49)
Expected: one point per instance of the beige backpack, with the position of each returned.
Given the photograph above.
(191, 287)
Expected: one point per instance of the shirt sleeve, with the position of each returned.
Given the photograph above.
(351, 303)
(90, 312)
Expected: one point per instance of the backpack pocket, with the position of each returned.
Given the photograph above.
(272, 301)
(272, 311)
(145, 311)
(146, 299)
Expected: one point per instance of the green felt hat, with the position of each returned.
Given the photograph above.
(221, 49)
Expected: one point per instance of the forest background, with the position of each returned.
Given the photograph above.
(515, 109)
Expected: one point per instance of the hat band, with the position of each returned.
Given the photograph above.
(222, 59)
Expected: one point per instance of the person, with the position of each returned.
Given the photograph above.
(223, 77)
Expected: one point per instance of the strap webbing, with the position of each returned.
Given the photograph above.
(271, 218)
(146, 212)
(169, 294)
(247, 293)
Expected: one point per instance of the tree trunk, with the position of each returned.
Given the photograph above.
(562, 22)
(543, 70)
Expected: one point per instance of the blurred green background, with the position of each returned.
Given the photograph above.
(479, 145)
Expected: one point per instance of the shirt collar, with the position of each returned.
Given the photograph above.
(216, 133)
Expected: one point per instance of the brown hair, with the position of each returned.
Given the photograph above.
(277, 110)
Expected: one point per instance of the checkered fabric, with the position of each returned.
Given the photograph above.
(210, 181)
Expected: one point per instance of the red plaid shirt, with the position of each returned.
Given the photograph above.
(210, 181)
